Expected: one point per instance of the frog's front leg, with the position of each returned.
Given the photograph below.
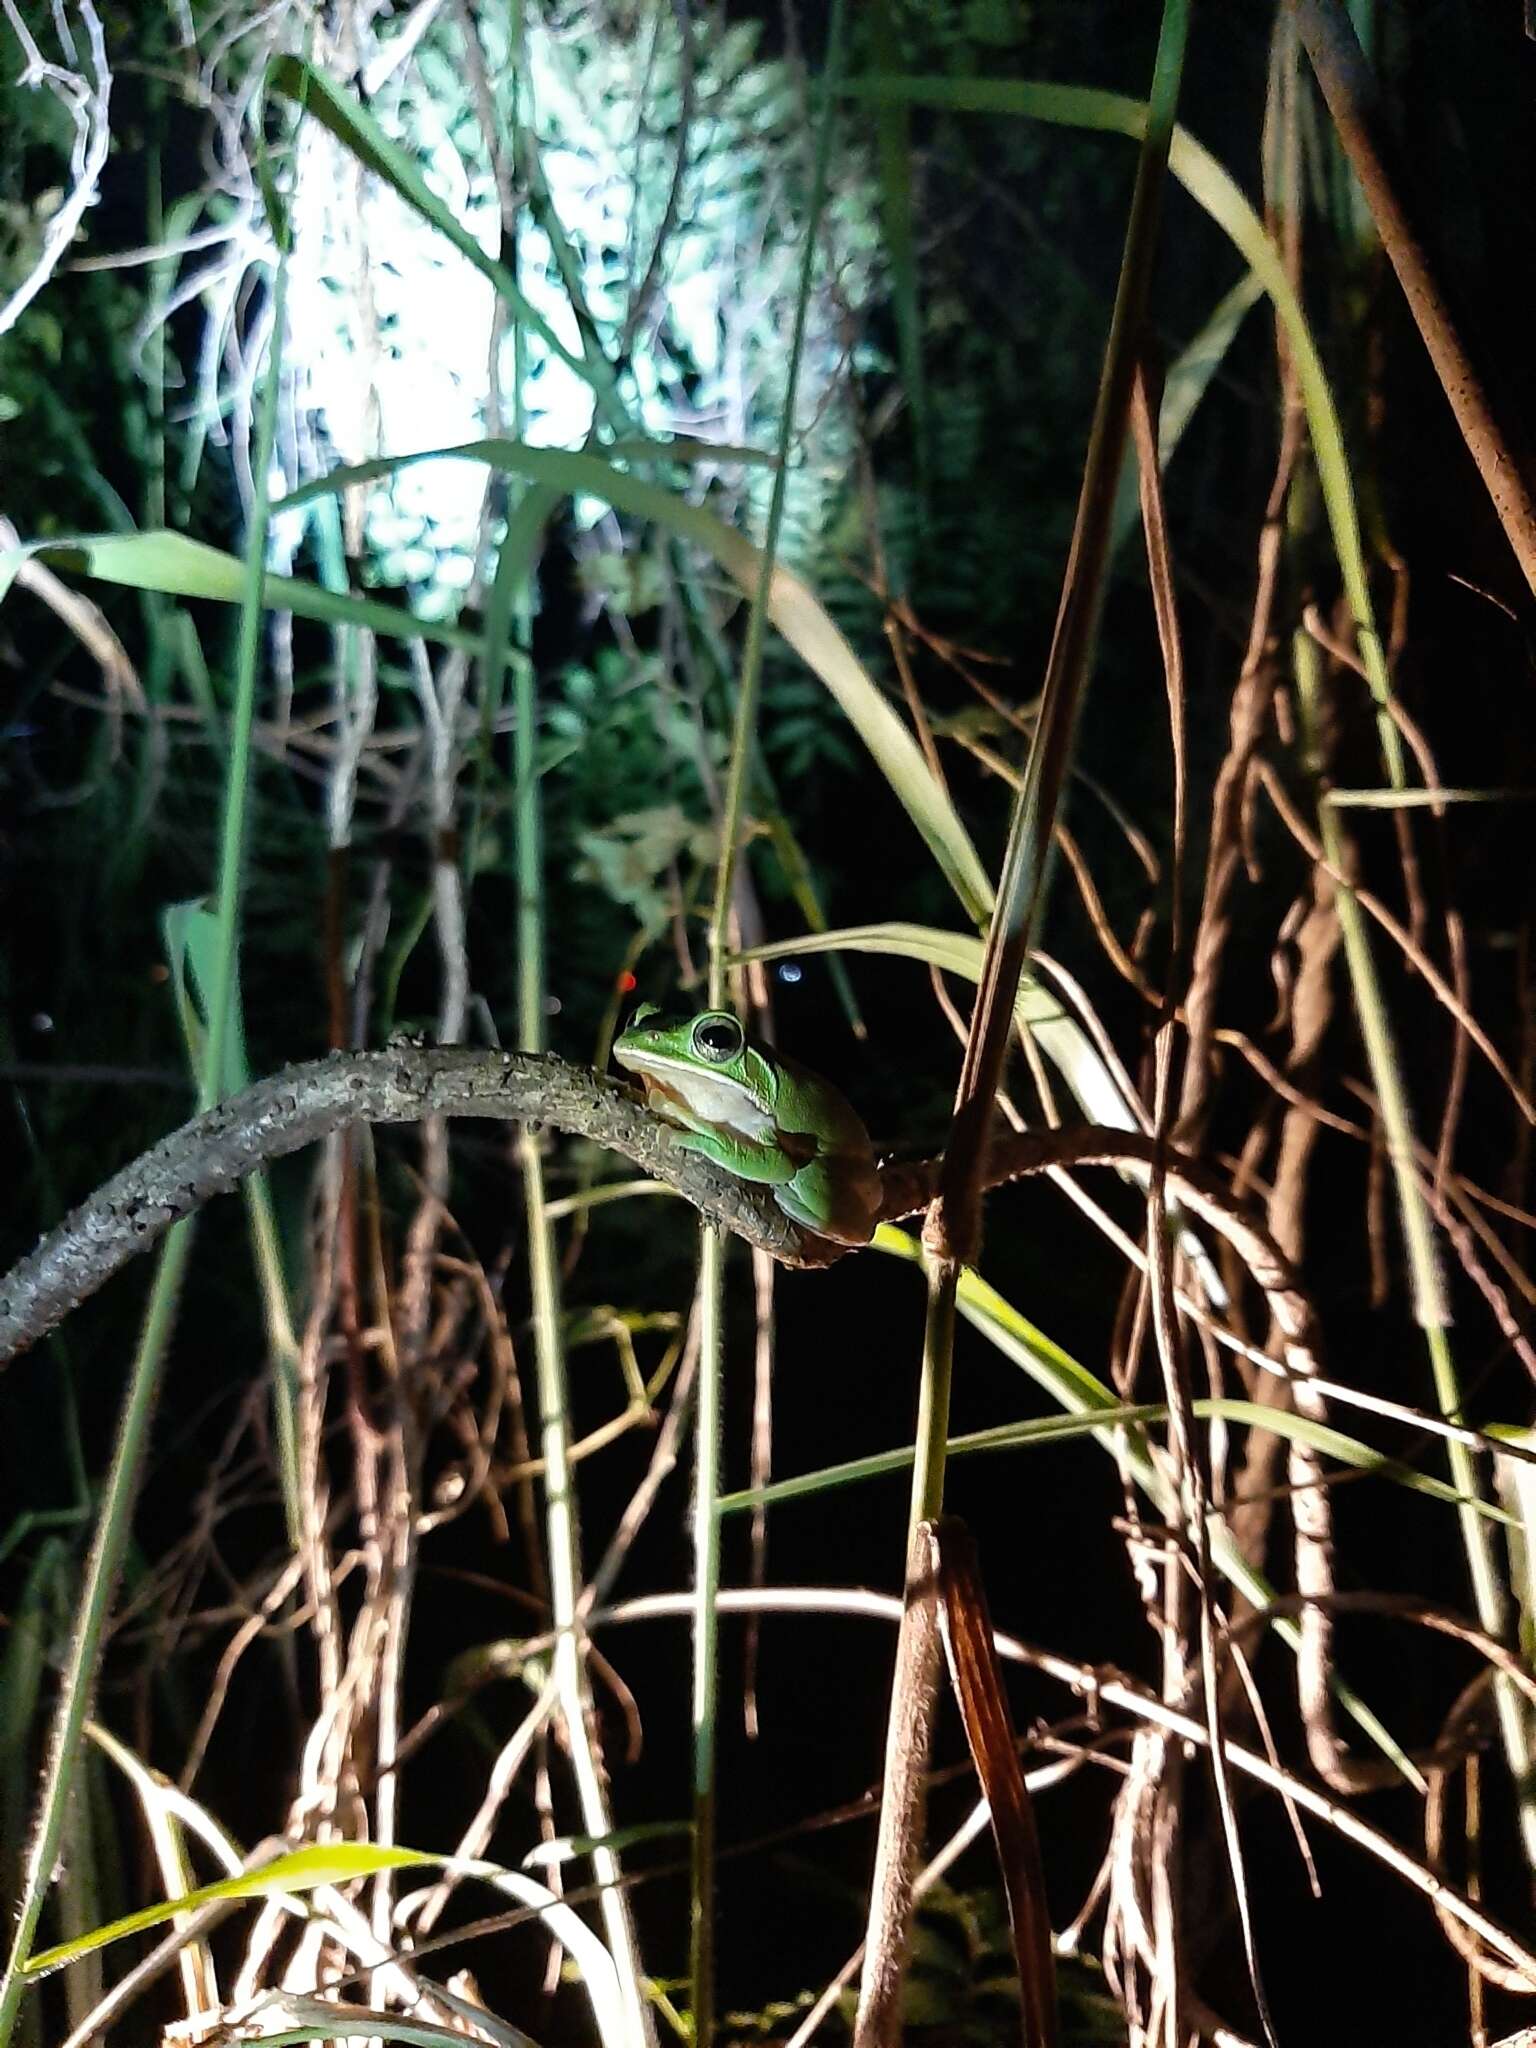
(741, 1156)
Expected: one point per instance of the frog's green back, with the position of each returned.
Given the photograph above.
(806, 1102)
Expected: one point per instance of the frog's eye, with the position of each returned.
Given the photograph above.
(717, 1039)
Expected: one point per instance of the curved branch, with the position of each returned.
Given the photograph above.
(213, 1153)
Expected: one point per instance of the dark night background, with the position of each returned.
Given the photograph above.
(1021, 229)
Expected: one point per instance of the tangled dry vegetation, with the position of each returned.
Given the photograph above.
(1300, 1036)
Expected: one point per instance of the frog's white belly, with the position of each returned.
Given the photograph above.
(716, 1102)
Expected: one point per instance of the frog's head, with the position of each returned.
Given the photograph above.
(704, 1063)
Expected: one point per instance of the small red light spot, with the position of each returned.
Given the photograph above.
(627, 983)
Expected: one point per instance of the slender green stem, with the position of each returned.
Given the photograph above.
(933, 1395)
(510, 610)
(744, 739)
(237, 773)
(706, 1587)
(706, 1524)
(563, 1537)
(143, 1386)
(952, 1233)
(1430, 1305)
(101, 1572)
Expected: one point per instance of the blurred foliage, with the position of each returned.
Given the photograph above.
(126, 399)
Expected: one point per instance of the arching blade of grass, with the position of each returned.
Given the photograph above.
(1214, 189)
(791, 606)
(317, 2019)
(182, 567)
(328, 1863)
(299, 1871)
(1189, 377)
(178, 566)
(1096, 1088)
(1051, 1429)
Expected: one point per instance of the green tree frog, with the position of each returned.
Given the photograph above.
(759, 1116)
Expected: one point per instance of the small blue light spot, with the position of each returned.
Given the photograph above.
(790, 970)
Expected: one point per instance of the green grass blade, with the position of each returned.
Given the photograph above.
(893, 161)
(182, 567)
(791, 606)
(328, 2022)
(300, 1871)
(1050, 1429)
(1188, 379)
(1064, 1041)
(1214, 189)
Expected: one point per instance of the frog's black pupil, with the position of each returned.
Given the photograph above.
(720, 1040)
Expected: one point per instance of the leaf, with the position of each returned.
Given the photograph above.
(182, 567)
(1112, 1414)
(191, 933)
(319, 2019)
(299, 1871)
(791, 606)
(1060, 1036)
(1185, 385)
(976, 1673)
(340, 1863)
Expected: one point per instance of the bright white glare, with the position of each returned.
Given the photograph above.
(411, 333)
(392, 328)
